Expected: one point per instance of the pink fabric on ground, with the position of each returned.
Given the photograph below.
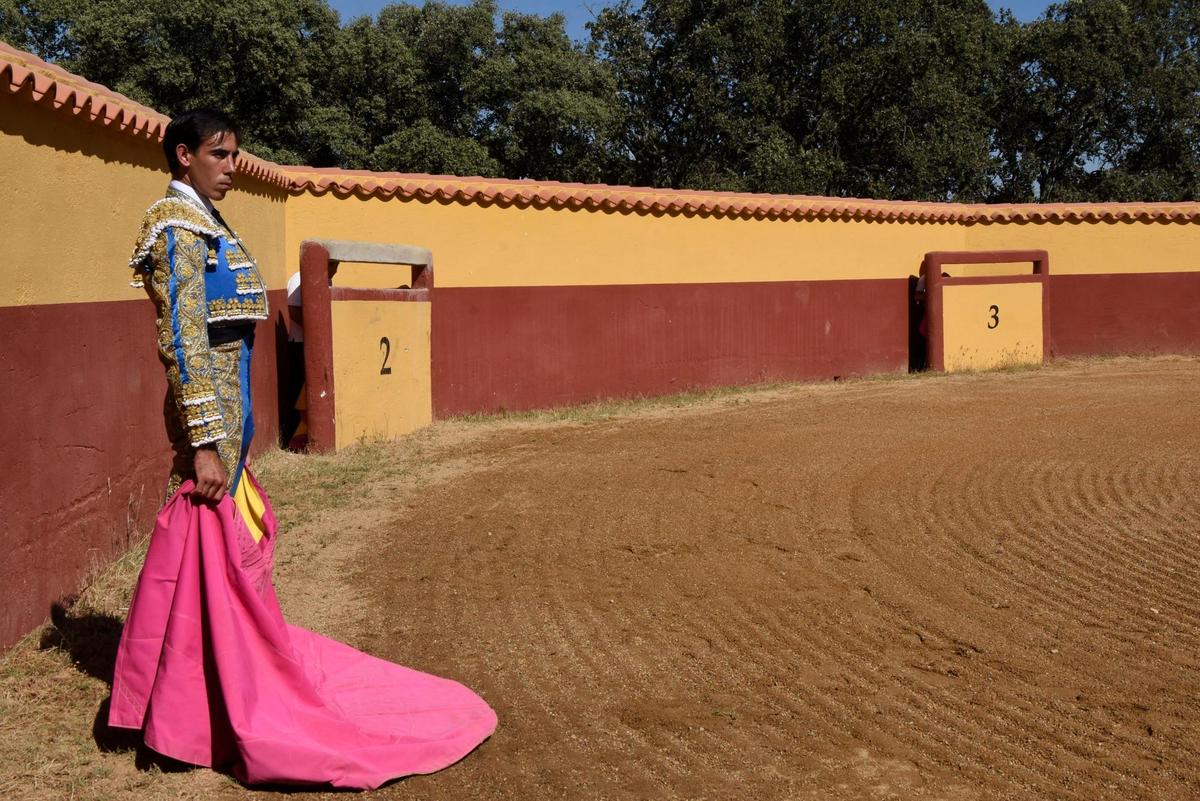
(210, 670)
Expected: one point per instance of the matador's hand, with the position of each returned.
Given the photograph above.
(210, 474)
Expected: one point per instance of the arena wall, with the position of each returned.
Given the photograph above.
(81, 389)
(556, 294)
(545, 294)
(538, 306)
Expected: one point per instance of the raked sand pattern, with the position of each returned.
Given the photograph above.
(978, 587)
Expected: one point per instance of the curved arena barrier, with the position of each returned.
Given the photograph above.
(547, 294)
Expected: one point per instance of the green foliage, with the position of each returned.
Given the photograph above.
(424, 147)
(255, 58)
(13, 24)
(920, 99)
(34, 25)
(550, 110)
(1104, 103)
(809, 96)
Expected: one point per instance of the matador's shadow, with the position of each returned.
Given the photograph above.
(91, 640)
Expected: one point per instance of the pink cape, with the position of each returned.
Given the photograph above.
(208, 667)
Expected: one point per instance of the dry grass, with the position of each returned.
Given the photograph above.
(616, 408)
(611, 408)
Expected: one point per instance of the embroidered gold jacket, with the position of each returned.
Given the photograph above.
(199, 275)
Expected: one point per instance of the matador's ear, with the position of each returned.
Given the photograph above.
(183, 155)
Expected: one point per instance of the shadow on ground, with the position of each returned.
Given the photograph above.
(91, 640)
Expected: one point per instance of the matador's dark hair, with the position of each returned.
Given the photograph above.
(193, 127)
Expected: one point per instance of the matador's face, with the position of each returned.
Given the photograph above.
(211, 167)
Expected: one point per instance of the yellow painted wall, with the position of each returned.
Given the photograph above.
(1097, 247)
(991, 325)
(494, 246)
(257, 211)
(982, 270)
(373, 276)
(71, 194)
(368, 404)
(71, 200)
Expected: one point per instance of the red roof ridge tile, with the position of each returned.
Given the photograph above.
(24, 75)
(656, 200)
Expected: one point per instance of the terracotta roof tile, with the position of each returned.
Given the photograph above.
(23, 75)
(648, 200)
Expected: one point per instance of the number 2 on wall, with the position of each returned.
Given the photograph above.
(994, 319)
(386, 346)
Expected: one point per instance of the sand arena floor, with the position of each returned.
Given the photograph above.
(975, 587)
(967, 587)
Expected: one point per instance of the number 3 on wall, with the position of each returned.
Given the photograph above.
(386, 346)
(994, 319)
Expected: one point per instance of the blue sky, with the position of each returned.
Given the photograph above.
(579, 12)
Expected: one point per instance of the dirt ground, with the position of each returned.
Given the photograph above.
(963, 587)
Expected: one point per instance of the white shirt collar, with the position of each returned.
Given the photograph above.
(193, 194)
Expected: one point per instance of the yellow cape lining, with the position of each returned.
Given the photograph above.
(251, 506)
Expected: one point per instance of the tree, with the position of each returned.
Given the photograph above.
(904, 88)
(14, 23)
(1154, 152)
(254, 58)
(1103, 104)
(549, 109)
(679, 66)
(1069, 77)
(402, 82)
(818, 96)
(918, 99)
(441, 89)
(35, 25)
(423, 147)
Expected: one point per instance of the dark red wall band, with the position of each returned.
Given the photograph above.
(82, 389)
(316, 271)
(537, 347)
(1127, 313)
(85, 447)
